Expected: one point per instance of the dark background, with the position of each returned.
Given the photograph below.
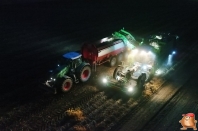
(34, 34)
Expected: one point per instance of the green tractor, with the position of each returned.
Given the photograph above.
(70, 69)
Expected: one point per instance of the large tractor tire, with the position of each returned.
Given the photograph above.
(113, 61)
(120, 57)
(141, 80)
(84, 73)
(117, 72)
(66, 85)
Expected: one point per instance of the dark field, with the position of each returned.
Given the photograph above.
(34, 35)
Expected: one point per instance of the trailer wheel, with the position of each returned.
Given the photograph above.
(120, 57)
(85, 74)
(66, 85)
(141, 80)
(113, 61)
(117, 72)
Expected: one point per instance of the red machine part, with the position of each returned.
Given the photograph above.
(100, 52)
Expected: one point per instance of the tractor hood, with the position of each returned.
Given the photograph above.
(60, 66)
(59, 71)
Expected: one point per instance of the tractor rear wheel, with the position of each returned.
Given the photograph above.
(85, 74)
(113, 61)
(141, 80)
(66, 85)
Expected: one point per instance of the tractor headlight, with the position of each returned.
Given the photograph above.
(130, 89)
(104, 80)
(52, 79)
(50, 82)
(149, 52)
(174, 52)
(158, 72)
(144, 67)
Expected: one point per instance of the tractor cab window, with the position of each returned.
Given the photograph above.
(76, 62)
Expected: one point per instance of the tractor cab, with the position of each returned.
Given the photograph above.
(74, 59)
(71, 69)
(78, 69)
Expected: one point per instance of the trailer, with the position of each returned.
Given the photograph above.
(106, 50)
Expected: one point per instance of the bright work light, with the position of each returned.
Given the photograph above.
(130, 89)
(104, 80)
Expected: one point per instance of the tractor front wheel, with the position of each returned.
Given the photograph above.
(66, 85)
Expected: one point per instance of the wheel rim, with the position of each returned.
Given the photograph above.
(67, 86)
(85, 74)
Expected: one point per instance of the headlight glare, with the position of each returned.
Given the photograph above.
(130, 89)
(104, 80)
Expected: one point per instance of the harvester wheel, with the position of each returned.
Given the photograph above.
(85, 74)
(66, 85)
(113, 61)
(116, 72)
(141, 80)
